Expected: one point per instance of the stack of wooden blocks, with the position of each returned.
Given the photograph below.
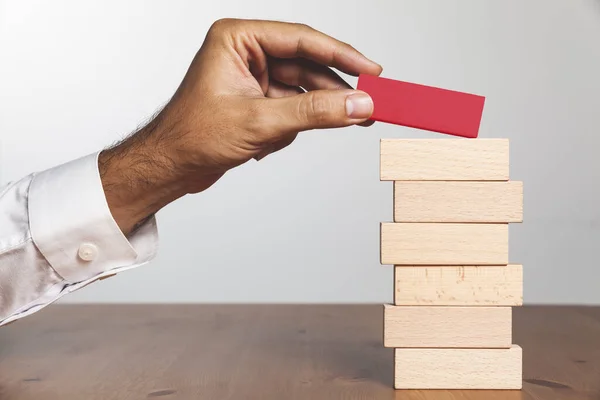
(451, 321)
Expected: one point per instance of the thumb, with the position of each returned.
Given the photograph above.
(321, 109)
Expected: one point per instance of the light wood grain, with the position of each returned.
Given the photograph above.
(444, 244)
(444, 160)
(458, 286)
(459, 368)
(421, 201)
(451, 327)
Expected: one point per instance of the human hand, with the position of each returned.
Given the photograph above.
(251, 88)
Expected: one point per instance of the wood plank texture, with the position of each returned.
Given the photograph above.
(459, 368)
(444, 244)
(265, 351)
(458, 285)
(421, 201)
(444, 160)
(450, 327)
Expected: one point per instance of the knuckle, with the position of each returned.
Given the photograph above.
(316, 108)
(222, 24)
(347, 46)
(303, 26)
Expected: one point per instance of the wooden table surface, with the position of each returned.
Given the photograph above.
(263, 352)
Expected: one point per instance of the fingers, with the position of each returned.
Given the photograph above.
(277, 89)
(305, 73)
(319, 109)
(285, 40)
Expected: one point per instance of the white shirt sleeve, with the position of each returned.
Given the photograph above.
(57, 235)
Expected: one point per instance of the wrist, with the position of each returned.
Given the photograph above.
(137, 182)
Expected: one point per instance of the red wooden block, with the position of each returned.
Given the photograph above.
(423, 107)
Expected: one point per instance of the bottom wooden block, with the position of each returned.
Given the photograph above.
(459, 368)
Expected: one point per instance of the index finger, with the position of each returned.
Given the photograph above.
(290, 40)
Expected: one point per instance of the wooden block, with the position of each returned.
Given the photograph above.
(419, 201)
(449, 327)
(459, 286)
(444, 160)
(459, 368)
(423, 107)
(444, 244)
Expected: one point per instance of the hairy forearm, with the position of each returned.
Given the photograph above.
(138, 180)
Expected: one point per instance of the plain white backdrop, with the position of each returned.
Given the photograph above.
(303, 225)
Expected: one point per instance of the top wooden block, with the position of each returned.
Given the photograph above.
(423, 107)
(444, 160)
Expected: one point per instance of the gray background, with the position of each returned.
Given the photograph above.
(303, 225)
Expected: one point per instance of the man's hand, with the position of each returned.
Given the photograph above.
(251, 88)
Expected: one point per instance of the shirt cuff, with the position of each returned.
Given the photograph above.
(73, 228)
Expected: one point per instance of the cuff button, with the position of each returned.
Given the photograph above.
(87, 251)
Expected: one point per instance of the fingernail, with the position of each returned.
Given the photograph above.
(359, 106)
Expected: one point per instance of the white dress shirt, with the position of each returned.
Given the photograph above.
(57, 235)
